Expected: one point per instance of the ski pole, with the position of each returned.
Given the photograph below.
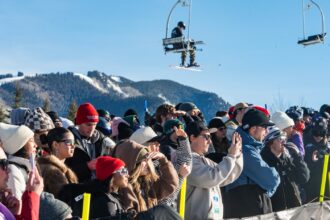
(86, 204)
(324, 176)
(183, 198)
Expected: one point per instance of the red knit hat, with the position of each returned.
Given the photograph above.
(105, 166)
(86, 113)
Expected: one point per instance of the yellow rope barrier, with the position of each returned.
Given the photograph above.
(183, 198)
(324, 176)
(86, 204)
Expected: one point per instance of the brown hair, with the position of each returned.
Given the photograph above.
(164, 110)
(146, 183)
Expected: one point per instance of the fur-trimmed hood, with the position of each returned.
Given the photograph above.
(55, 174)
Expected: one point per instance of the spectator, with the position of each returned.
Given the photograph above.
(286, 124)
(52, 167)
(192, 112)
(89, 143)
(147, 186)
(111, 175)
(232, 124)
(147, 137)
(251, 192)
(40, 123)
(293, 171)
(296, 114)
(18, 115)
(9, 204)
(223, 115)
(220, 143)
(203, 184)
(163, 113)
(18, 143)
(55, 118)
(316, 147)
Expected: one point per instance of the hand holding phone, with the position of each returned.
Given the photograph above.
(33, 165)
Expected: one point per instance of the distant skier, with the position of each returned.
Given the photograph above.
(178, 32)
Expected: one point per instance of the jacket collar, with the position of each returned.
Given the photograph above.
(21, 161)
(249, 140)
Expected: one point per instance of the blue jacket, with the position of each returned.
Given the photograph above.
(255, 169)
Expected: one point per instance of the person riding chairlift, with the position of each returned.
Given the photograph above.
(178, 32)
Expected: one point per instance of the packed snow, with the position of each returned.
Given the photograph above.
(11, 79)
(116, 88)
(116, 78)
(91, 81)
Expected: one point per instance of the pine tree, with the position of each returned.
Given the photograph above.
(46, 106)
(72, 110)
(2, 114)
(17, 96)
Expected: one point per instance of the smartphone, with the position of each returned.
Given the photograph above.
(33, 164)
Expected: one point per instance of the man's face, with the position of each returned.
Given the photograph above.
(200, 144)
(87, 129)
(258, 132)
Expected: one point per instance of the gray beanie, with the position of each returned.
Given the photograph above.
(51, 208)
(18, 115)
(187, 106)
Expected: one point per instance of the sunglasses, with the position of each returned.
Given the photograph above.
(4, 164)
(123, 171)
(206, 136)
(222, 128)
(67, 141)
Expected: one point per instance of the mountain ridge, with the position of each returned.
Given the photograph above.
(114, 93)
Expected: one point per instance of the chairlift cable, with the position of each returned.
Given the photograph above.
(188, 45)
(303, 16)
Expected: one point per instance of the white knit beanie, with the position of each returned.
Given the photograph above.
(282, 120)
(14, 137)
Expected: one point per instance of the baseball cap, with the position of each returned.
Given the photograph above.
(254, 117)
(196, 127)
(240, 105)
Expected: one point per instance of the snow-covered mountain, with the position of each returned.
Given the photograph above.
(114, 93)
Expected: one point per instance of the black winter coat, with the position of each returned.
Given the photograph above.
(293, 171)
(313, 186)
(78, 163)
(102, 204)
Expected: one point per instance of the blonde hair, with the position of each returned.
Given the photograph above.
(146, 184)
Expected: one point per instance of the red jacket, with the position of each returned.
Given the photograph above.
(30, 206)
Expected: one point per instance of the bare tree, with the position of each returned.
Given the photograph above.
(279, 103)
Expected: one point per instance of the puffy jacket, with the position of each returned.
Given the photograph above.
(256, 170)
(203, 196)
(251, 192)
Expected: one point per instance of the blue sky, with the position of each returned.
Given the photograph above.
(250, 52)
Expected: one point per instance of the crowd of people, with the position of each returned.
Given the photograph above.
(243, 162)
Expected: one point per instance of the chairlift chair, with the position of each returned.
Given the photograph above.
(313, 39)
